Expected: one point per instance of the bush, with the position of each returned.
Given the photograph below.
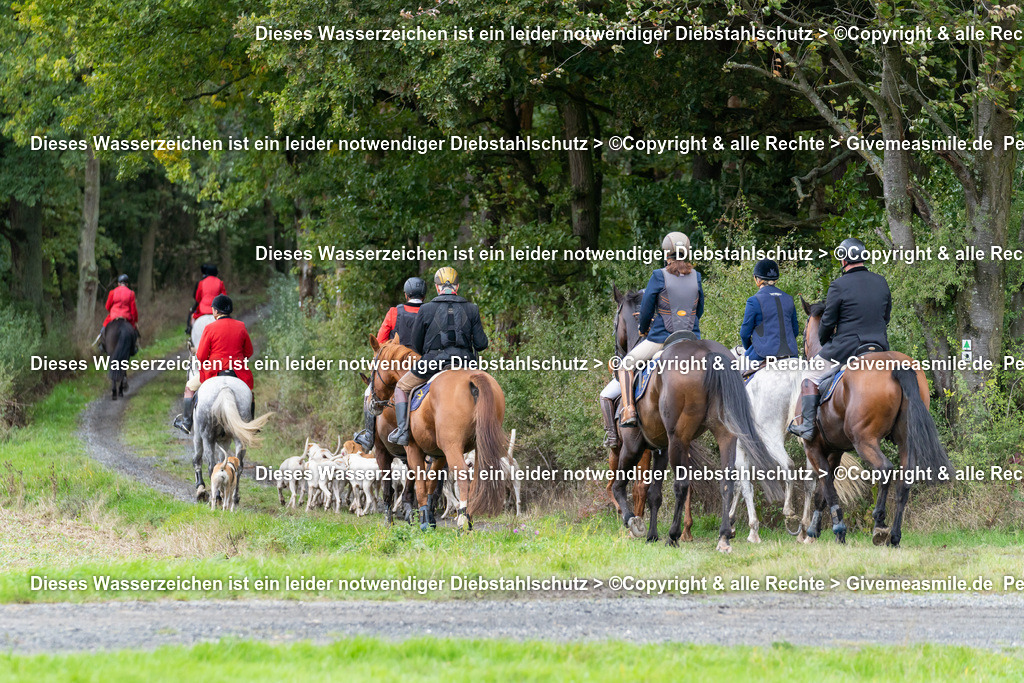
(20, 338)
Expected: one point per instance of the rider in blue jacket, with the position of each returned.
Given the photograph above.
(770, 327)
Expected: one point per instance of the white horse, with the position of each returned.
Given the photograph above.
(774, 392)
(198, 325)
(223, 414)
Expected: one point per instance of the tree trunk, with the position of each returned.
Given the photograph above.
(270, 229)
(85, 310)
(583, 178)
(146, 260)
(981, 305)
(224, 249)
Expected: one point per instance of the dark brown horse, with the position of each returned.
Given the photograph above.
(118, 340)
(868, 405)
(463, 411)
(697, 390)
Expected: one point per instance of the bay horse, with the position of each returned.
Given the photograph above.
(698, 390)
(463, 411)
(223, 414)
(868, 405)
(118, 340)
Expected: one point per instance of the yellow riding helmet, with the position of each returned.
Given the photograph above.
(446, 277)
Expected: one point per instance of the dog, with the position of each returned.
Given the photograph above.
(295, 481)
(224, 481)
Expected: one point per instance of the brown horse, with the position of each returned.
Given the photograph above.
(868, 405)
(463, 411)
(698, 390)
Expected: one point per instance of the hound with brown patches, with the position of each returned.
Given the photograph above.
(224, 481)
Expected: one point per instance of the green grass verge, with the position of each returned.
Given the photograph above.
(502, 660)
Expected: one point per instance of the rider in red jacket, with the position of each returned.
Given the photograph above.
(207, 289)
(121, 304)
(225, 346)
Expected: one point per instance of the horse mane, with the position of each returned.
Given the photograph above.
(392, 351)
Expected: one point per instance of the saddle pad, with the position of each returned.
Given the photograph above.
(421, 393)
(826, 390)
(641, 380)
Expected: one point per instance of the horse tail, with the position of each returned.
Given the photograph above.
(852, 487)
(487, 493)
(226, 411)
(729, 404)
(122, 350)
(923, 444)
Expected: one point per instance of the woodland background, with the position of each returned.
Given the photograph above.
(70, 222)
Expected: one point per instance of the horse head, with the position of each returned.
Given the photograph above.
(390, 361)
(627, 315)
(814, 312)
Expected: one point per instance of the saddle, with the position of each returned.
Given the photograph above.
(831, 379)
(421, 393)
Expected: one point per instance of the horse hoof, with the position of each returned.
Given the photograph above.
(637, 528)
(799, 526)
(424, 526)
(753, 537)
(653, 539)
(880, 535)
(672, 542)
(840, 532)
(809, 539)
(464, 523)
(201, 494)
(723, 545)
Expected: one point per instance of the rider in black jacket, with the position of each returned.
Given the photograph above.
(446, 327)
(857, 310)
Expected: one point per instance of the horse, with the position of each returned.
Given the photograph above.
(222, 414)
(700, 391)
(774, 393)
(198, 325)
(870, 404)
(386, 453)
(463, 411)
(118, 340)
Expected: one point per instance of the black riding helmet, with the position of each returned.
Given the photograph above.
(415, 288)
(852, 250)
(209, 269)
(122, 279)
(222, 304)
(766, 269)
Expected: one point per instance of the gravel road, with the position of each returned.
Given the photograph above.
(983, 621)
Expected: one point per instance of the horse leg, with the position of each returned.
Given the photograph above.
(870, 451)
(810, 487)
(384, 462)
(240, 454)
(687, 518)
(613, 466)
(679, 460)
(902, 492)
(727, 450)
(641, 484)
(199, 446)
(418, 464)
(819, 465)
(629, 457)
(654, 492)
(435, 486)
(832, 499)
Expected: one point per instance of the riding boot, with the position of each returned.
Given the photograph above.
(366, 435)
(184, 421)
(808, 410)
(400, 435)
(628, 417)
(611, 431)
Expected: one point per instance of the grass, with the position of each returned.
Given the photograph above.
(440, 659)
(64, 516)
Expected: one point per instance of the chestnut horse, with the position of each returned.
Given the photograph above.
(463, 411)
(698, 390)
(870, 404)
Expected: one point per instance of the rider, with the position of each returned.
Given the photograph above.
(208, 287)
(224, 349)
(447, 327)
(857, 310)
(673, 302)
(398, 321)
(770, 326)
(121, 304)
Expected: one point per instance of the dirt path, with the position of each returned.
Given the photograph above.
(100, 431)
(983, 621)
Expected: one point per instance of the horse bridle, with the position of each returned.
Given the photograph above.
(378, 403)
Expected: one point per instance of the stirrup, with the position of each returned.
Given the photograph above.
(397, 436)
(179, 422)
